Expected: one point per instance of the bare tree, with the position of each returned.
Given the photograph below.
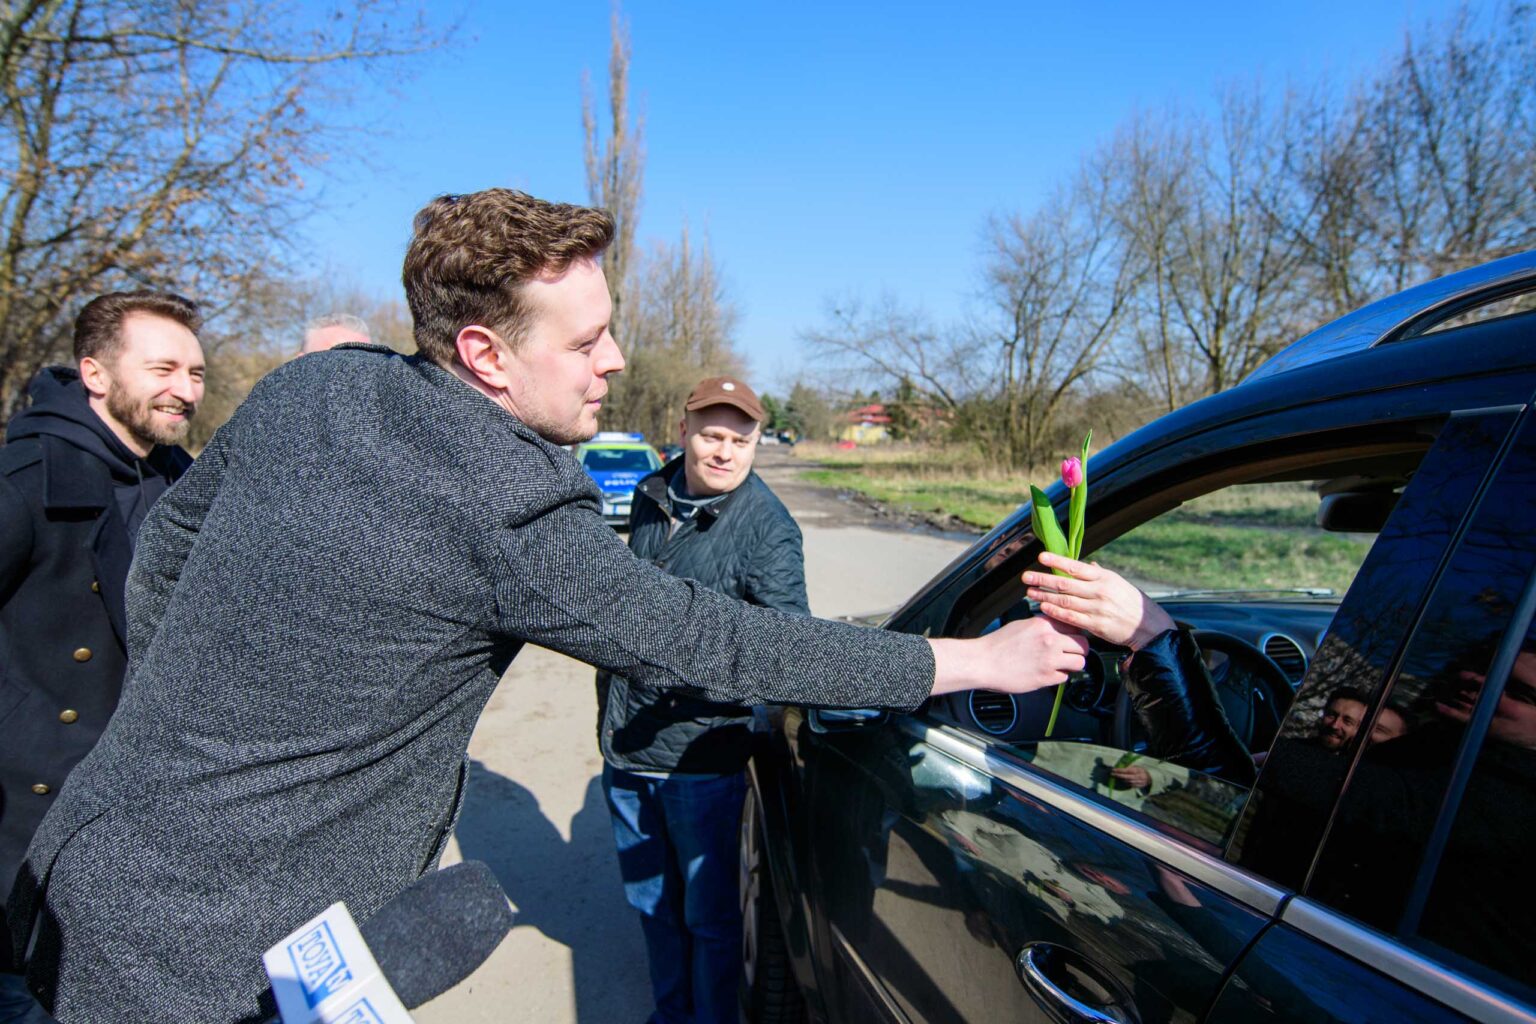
(1424, 168)
(1453, 135)
(882, 343)
(1222, 267)
(1060, 284)
(1329, 172)
(616, 170)
(1150, 197)
(681, 329)
(160, 143)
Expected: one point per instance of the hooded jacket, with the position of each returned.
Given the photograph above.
(71, 499)
(746, 545)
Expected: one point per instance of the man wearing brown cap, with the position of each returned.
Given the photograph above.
(674, 761)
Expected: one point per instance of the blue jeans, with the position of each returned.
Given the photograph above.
(677, 843)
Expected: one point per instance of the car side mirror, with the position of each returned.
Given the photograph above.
(1356, 511)
(825, 720)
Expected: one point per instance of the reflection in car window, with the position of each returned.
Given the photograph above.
(1285, 821)
(1483, 901)
(1200, 806)
(1399, 786)
(630, 459)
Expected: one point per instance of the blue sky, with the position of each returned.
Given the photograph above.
(828, 149)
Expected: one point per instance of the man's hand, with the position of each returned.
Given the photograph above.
(1030, 654)
(1097, 601)
(1133, 775)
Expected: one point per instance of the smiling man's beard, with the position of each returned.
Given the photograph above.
(137, 416)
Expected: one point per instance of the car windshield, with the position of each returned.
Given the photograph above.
(609, 459)
(1257, 541)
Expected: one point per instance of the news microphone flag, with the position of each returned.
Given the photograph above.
(323, 973)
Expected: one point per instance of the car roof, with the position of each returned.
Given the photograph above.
(1406, 316)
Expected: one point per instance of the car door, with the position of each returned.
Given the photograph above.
(1420, 902)
(964, 879)
(962, 885)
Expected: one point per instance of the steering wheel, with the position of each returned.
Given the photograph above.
(1254, 692)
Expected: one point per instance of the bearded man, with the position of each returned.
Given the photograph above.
(80, 469)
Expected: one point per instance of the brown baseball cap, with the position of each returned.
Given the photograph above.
(725, 391)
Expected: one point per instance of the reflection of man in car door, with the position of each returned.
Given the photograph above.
(674, 762)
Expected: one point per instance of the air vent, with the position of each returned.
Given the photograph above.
(1286, 653)
(995, 713)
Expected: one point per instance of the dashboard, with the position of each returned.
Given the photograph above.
(1287, 632)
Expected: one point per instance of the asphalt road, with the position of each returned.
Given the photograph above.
(534, 807)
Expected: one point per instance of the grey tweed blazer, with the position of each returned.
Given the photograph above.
(318, 613)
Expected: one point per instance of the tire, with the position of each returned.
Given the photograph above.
(769, 992)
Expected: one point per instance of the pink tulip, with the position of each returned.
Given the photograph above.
(1072, 472)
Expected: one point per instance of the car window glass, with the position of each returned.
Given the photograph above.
(1501, 306)
(1402, 780)
(1197, 805)
(1339, 719)
(1260, 539)
(628, 459)
(1483, 900)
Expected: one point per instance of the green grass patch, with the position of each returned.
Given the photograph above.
(1254, 536)
(1188, 553)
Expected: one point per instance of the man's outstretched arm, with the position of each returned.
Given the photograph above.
(568, 583)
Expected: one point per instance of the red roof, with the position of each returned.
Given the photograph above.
(869, 414)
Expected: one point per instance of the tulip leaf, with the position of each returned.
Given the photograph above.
(1047, 529)
(1077, 515)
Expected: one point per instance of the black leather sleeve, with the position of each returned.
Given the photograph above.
(1172, 695)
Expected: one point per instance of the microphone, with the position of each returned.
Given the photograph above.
(435, 932)
(427, 939)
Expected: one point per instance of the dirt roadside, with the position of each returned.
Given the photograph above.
(534, 807)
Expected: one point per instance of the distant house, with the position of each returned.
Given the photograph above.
(868, 424)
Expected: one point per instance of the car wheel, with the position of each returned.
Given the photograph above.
(769, 993)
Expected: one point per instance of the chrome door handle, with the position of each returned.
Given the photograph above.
(1034, 967)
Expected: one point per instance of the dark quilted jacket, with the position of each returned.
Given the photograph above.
(318, 612)
(746, 545)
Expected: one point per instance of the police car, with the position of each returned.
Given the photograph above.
(617, 462)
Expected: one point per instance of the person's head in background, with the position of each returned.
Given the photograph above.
(721, 422)
(332, 329)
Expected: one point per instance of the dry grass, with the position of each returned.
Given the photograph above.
(946, 484)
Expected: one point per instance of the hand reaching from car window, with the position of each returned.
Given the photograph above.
(1017, 657)
(1097, 601)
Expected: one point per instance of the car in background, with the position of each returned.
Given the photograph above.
(670, 452)
(617, 462)
(963, 863)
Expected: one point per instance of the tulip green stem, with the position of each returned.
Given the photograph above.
(1071, 545)
(1050, 726)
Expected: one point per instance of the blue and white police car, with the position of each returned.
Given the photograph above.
(617, 461)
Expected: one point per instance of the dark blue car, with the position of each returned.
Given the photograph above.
(956, 864)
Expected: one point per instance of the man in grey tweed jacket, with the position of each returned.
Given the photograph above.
(320, 608)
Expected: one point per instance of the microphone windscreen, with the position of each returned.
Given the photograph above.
(434, 933)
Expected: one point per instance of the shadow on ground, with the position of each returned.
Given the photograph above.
(569, 891)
